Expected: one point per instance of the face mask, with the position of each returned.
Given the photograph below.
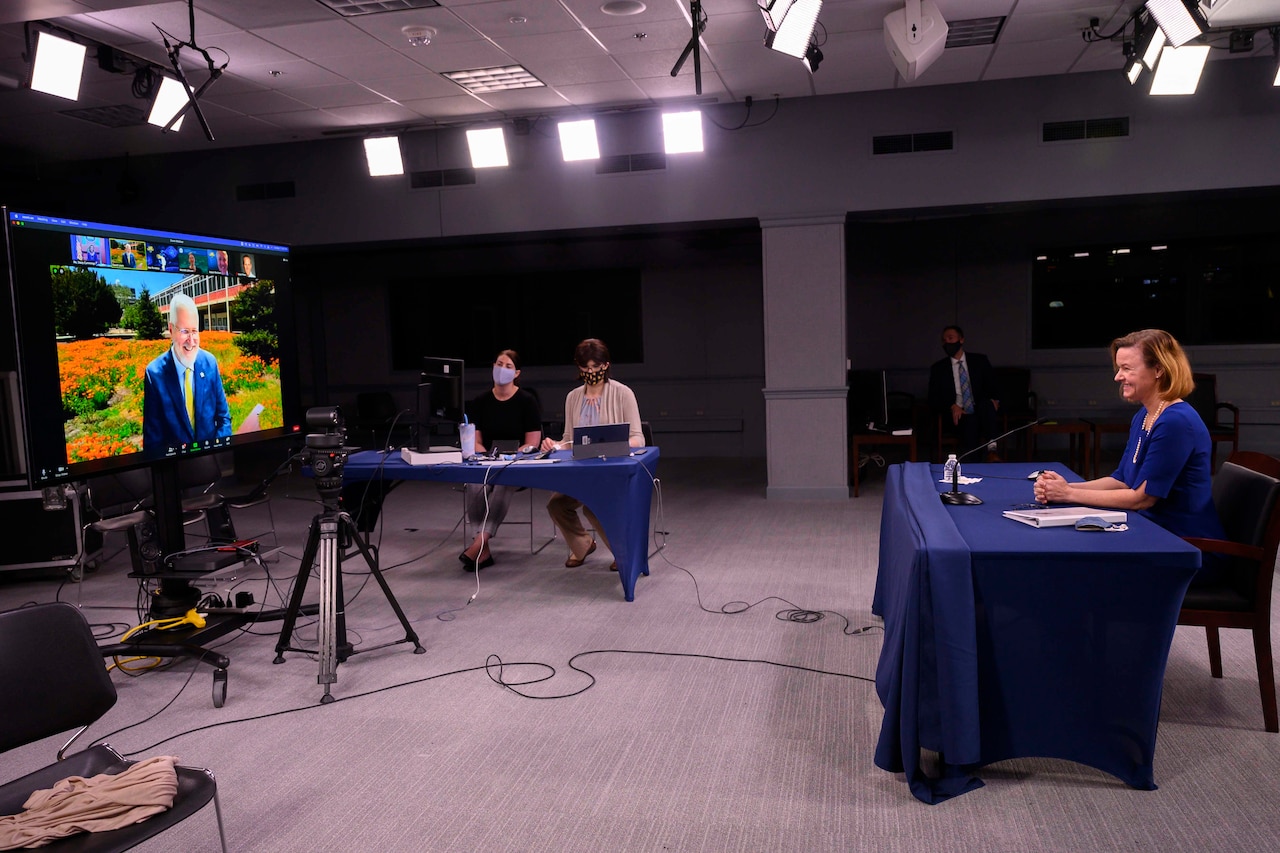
(592, 377)
(503, 375)
(951, 349)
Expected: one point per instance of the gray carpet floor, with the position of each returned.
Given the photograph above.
(671, 723)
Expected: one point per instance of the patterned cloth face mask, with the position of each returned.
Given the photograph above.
(592, 377)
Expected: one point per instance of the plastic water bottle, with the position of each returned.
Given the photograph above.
(951, 470)
(467, 434)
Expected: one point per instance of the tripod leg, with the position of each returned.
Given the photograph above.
(299, 587)
(330, 606)
(409, 634)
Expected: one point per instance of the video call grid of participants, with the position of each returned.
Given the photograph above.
(92, 250)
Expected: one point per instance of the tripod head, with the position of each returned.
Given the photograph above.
(326, 452)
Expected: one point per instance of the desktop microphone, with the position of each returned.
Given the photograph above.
(955, 497)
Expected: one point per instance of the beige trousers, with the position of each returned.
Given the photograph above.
(564, 513)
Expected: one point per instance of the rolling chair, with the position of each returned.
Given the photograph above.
(53, 681)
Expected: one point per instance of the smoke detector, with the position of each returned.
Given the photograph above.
(419, 36)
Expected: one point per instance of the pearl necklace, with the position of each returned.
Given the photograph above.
(1147, 423)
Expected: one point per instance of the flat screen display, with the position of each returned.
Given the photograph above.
(134, 345)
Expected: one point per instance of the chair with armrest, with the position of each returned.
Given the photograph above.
(1246, 493)
(1204, 399)
(54, 680)
(377, 422)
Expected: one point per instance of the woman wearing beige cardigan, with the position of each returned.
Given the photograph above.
(599, 400)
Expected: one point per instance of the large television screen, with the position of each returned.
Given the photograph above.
(135, 345)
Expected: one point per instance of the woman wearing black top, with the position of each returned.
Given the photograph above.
(505, 413)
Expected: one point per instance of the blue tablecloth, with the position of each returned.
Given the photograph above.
(1004, 640)
(617, 489)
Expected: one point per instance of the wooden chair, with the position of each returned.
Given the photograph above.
(54, 680)
(1246, 493)
(1204, 399)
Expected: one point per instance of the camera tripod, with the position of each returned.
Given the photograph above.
(329, 530)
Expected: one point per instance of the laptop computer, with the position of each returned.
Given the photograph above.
(590, 442)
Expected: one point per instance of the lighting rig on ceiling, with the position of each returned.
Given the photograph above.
(789, 26)
(699, 23)
(1171, 40)
(57, 58)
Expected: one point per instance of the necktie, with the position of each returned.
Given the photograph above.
(966, 391)
(191, 398)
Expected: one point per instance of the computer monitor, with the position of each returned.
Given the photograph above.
(448, 388)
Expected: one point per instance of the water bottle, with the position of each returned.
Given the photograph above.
(951, 471)
(467, 436)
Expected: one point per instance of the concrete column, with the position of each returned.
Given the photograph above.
(805, 357)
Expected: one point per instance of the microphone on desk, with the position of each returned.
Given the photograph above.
(955, 497)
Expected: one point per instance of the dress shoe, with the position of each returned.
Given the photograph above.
(469, 565)
(573, 562)
(613, 567)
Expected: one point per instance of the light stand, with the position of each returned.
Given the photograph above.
(699, 24)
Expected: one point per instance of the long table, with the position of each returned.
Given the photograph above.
(1005, 641)
(617, 489)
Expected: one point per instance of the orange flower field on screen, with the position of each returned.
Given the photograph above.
(102, 390)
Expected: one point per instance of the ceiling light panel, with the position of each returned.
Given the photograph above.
(500, 79)
(356, 8)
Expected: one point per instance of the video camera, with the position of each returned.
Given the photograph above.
(326, 450)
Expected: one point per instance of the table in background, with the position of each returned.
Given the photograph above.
(617, 489)
(1079, 434)
(874, 438)
(1004, 640)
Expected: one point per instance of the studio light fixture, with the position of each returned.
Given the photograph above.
(383, 156)
(1179, 70)
(58, 66)
(812, 58)
(1176, 19)
(915, 37)
(488, 148)
(1150, 43)
(171, 98)
(790, 25)
(682, 132)
(578, 140)
(1133, 69)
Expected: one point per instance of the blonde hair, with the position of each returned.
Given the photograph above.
(1162, 353)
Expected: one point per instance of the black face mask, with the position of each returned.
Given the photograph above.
(951, 349)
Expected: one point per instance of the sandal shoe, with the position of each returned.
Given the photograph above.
(573, 562)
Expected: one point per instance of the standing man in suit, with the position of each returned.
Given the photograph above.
(962, 392)
(183, 400)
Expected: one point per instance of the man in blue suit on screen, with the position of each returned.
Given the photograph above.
(183, 400)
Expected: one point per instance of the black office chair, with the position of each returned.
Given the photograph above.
(52, 680)
(1204, 399)
(648, 433)
(1246, 493)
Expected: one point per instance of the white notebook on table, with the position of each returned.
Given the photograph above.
(1064, 516)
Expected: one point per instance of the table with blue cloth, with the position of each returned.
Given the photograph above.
(618, 490)
(1009, 641)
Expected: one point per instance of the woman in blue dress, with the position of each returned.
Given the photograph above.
(1164, 473)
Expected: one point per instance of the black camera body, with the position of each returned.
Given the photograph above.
(326, 450)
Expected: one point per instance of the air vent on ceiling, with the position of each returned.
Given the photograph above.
(974, 31)
(1085, 128)
(120, 115)
(355, 8)
(631, 163)
(441, 178)
(262, 192)
(910, 143)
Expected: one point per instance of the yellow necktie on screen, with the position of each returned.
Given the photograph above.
(191, 399)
